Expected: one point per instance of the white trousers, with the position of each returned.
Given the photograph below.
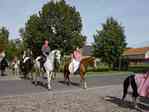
(74, 65)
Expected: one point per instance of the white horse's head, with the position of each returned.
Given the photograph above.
(55, 55)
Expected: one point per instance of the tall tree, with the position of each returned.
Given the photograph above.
(59, 23)
(109, 42)
(4, 35)
(11, 50)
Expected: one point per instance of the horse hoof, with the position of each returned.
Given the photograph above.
(35, 83)
(136, 106)
(49, 89)
(84, 87)
(122, 101)
(68, 84)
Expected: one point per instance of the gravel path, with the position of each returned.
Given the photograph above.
(97, 99)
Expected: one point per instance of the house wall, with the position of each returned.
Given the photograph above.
(147, 55)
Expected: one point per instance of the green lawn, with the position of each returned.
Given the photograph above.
(109, 73)
(139, 68)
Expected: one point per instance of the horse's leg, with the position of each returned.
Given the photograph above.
(135, 92)
(65, 77)
(85, 84)
(68, 77)
(15, 72)
(83, 81)
(53, 75)
(2, 72)
(35, 76)
(49, 79)
(38, 76)
(125, 87)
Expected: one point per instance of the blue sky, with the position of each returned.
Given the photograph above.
(132, 14)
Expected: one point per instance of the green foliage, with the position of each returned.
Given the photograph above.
(5, 44)
(109, 42)
(59, 23)
(4, 34)
(11, 50)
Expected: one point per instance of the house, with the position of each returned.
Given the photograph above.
(137, 55)
(86, 50)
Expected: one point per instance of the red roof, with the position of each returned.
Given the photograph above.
(136, 51)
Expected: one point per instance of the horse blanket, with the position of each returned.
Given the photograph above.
(74, 66)
(142, 81)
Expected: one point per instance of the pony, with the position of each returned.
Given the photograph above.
(82, 70)
(139, 84)
(50, 64)
(3, 65)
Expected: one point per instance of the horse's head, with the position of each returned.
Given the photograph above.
(55, 55)
(93, 62)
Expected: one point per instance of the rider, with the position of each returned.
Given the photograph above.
(76, 58)
(14, 61)
(45, 51)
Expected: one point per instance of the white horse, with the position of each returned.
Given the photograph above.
(49, 65)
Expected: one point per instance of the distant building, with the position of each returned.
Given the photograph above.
(86, 50)
(137, 55)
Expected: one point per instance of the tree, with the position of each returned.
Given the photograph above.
(109, 42)
(58, 22)
(11, 50)
(4, 35)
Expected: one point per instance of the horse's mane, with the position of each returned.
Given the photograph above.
(87, 60)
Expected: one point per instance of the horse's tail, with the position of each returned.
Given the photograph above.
(126, 84)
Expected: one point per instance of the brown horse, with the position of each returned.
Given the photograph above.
(82, 70)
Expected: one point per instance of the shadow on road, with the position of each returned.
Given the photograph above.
(72, 83)
(127, 104)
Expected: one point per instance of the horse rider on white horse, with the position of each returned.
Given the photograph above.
(45, 52)
(75, 63)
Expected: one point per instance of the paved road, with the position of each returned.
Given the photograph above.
(19, 87)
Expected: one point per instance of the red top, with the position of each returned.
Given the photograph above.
(76, 55)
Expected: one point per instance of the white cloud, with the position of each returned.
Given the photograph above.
(55, 1)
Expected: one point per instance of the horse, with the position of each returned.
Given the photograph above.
(82, 70)
(26, 66)
(3, 65)
(50, 64)
(139, 84)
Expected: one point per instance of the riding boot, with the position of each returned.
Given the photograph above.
(42, 63)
